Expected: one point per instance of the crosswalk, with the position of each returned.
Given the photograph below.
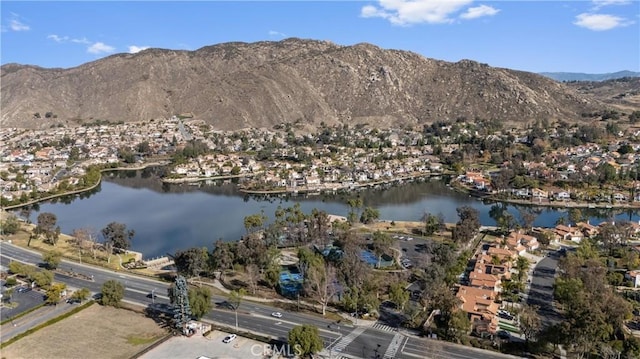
(344, 341)
(384, 327)
(393, 347)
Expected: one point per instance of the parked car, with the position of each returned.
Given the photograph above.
(229, 338)
(503, 334)
(276, 314)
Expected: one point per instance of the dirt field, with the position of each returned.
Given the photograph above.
(96, 332)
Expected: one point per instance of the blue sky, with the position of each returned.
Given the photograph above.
(595, 36)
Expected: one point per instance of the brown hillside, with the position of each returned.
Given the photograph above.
(237, 85)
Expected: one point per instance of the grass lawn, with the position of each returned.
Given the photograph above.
(96, 332)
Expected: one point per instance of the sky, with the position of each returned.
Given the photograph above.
(590, 36)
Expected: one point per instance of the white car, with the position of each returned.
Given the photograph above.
(276, 314)
(229, 338)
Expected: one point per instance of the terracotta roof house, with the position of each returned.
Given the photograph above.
(479, 279)
(519, 242)
(485, 264)
(479, 304)
(502, 253)
(589, 230)
(569, 233)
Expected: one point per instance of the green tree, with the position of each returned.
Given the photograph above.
(369, 215)
(43, 278)
(575, 215)
(47, 227)
(54, 293)
(530, 323)
(458, 325)
(305, 340)
(81, 294)
(191, 262)
(117, 235)
(354, 208)
(11, 225)
(199, 301)
(522, 265)
(399, 294)
(112, 293)
(380, 243)
(52, 259)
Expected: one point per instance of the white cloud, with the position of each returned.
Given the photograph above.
(408, 12)
(597, 4)
(99, 48)
(276, 33)
(133, 48)
(479, 11)
(600, 22)
(81, 41)
(16, 25)
(57, 38)
(63, 39)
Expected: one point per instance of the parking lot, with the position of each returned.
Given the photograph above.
(23, 299)
(413, 249)
(211, 346)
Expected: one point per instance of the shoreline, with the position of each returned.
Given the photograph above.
(78, 191)
(317, 190)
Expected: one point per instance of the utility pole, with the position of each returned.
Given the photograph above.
(153, 296)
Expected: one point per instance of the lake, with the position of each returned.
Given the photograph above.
(167, 218)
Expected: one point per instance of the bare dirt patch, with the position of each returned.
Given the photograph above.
(96, 332)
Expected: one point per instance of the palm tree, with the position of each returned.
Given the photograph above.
(522, 265)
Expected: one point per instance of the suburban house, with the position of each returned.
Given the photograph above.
(562, 196)
(634, 277)
(568, 233)
(502, 253)
(589, 230)
(479, 279)
(486, 264)
(522, 243)
(481, 307)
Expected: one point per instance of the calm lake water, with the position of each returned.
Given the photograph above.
(168, 218)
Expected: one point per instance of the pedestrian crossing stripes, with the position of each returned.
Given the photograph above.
(393, 347)
(344, 341)
(386, 328)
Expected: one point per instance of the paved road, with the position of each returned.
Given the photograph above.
(256, 317)
(541, 288)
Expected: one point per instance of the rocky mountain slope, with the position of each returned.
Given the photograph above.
(238, 85)
(622, 93)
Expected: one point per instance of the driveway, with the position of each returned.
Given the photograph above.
(540, 291)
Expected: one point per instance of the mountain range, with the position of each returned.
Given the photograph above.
(263, 84)
(578, 76)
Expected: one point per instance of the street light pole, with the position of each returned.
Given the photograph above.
(236, 311)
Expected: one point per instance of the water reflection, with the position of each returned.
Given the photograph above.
(170, 217)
